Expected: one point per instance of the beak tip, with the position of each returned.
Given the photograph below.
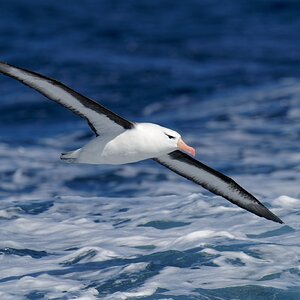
(193, 152)
(186, 148)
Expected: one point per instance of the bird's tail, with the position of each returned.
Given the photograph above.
(71, 156)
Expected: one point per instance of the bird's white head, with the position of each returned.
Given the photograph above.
(165, 139)
(174, 139)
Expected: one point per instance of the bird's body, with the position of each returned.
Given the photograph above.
(143, 141)
(119, 141)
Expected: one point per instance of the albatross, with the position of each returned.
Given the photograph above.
(120, 141)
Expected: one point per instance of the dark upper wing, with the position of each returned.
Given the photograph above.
(100, 119)
(215, 182)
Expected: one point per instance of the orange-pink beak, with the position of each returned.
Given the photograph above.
(184, 147)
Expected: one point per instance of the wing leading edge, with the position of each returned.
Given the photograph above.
(215, 182)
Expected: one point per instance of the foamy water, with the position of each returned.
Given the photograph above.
(117, 248)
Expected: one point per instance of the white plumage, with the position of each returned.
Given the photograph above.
(143, 141)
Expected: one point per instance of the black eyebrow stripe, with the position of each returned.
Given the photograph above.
(169, 136)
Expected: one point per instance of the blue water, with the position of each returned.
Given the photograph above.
(226, 75)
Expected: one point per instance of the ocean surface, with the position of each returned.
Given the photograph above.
(226, 75)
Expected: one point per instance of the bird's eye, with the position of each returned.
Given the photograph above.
(170, 136)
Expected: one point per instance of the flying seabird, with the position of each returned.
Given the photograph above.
(119, 141)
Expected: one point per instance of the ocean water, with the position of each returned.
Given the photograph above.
(226, 75)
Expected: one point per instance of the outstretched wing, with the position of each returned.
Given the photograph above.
(215, 182)
(100, 119)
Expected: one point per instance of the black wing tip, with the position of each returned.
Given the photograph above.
(273, 218)
(3, 65)
(6, 68)
(276, 219)
(264, 212)
(279, 221)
